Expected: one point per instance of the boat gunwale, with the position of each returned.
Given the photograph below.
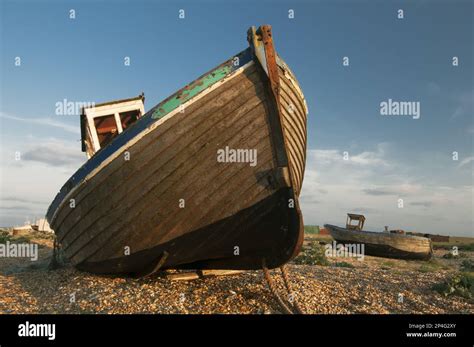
(86, 194)
(147, 124)
(376, 233)
(294, 81)
(79, 178)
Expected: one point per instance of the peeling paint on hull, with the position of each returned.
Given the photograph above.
(236, 215)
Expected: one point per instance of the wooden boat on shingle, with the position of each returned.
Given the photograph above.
(207, 179)
(384, 244)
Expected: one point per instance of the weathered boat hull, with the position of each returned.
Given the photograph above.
(173, 204)
(384, 244)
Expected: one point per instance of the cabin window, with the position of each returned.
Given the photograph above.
(353, 223)
(128, 118)
(103, 122)
(106, 129)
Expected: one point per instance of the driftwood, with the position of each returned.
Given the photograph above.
(193, 275)
(183, 276)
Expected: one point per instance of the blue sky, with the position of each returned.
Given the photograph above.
(390, 157)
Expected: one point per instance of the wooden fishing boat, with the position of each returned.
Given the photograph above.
(207, 179)
(384, 244)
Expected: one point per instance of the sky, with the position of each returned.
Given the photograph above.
(358, 159)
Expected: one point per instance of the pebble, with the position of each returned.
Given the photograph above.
(368, 287)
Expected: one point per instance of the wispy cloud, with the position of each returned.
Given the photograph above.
(378, 191)
(15, 208)
(366, 158)
(47, 121)
(21, 200)
(365, 210)
(466, 161)
(28, 185)
(310, 199)
(422, 203)
(373, 183)
(54, 153)
(465, 104)
(405, 189)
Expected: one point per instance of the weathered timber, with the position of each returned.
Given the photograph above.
(384, 244)
(174, 198)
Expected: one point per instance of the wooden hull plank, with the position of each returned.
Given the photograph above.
(172, 181)
(236, 214)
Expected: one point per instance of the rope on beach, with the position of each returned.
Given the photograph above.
(293, 304)
(54, 264)
(284, 273)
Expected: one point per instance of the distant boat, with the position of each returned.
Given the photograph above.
(391, 244)
(384, 244)
(27, 227)
(207, 179)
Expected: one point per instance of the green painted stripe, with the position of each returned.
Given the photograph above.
(191, 90)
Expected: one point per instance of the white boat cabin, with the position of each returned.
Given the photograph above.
(102, 122)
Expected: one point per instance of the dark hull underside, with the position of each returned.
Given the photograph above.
(263, 231)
